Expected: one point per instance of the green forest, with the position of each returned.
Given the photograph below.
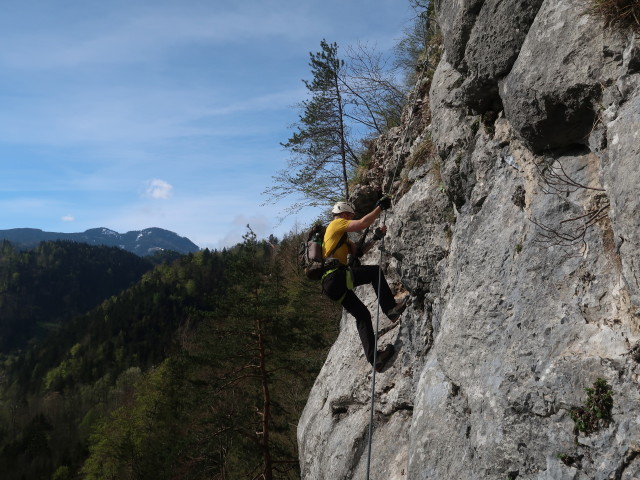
(115, 368)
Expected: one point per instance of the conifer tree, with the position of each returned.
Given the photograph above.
(322, 156)
(349, 102)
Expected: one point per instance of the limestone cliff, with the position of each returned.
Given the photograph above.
(516, 233)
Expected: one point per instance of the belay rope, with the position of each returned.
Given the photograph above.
(375, 355)
(382, 249)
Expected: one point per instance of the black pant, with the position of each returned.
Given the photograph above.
(334, 286)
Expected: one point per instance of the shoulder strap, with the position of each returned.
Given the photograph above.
(341, 242)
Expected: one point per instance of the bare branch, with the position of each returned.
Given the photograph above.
(555, 180)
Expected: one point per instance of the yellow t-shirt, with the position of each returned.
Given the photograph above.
(332, 235)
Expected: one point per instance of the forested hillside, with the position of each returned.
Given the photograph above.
(43, 287)
(198, 370)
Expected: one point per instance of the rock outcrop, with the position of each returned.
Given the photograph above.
(516, 233)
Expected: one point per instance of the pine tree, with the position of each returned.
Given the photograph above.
(322, 156)
(349, 103)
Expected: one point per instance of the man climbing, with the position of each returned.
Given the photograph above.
(338, 283)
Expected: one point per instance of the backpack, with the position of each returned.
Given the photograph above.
(310, 255)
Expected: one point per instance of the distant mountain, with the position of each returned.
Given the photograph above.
(141, 242)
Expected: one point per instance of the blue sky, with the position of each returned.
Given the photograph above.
(150, 113)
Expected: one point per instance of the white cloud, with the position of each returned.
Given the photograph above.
(159, 189)
(68, 218)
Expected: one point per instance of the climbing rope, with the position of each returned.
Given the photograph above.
(375, 355)
(382, 249)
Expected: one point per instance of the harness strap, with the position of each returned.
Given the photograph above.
(329, 272)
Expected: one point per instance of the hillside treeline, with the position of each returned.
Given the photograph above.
(45, 286)
(198, 370)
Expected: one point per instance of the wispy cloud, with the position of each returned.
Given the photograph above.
(68, 218)
(150, 32)
(137, 115)
(147, 32)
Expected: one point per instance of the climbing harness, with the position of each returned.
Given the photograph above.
(382, 249)
(348, 281)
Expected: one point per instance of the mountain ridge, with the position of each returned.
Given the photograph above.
(141, 242)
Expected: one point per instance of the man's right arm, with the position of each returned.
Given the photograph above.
(364, 222)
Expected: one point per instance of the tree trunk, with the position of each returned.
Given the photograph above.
(343, 149)
(267, 472)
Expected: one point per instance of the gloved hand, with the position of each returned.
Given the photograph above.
(384, 203)
(378, 233)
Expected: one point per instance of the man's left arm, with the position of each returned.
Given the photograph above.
(353, 248)
(377, 235)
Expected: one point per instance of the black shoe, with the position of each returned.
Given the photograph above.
(383, 356)
(395, 312)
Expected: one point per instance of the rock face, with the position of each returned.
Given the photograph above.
(516, 233)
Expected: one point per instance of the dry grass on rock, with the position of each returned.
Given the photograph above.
(617, 13)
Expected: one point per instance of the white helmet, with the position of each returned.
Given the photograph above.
(342, 207)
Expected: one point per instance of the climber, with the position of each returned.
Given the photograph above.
(338, 283)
